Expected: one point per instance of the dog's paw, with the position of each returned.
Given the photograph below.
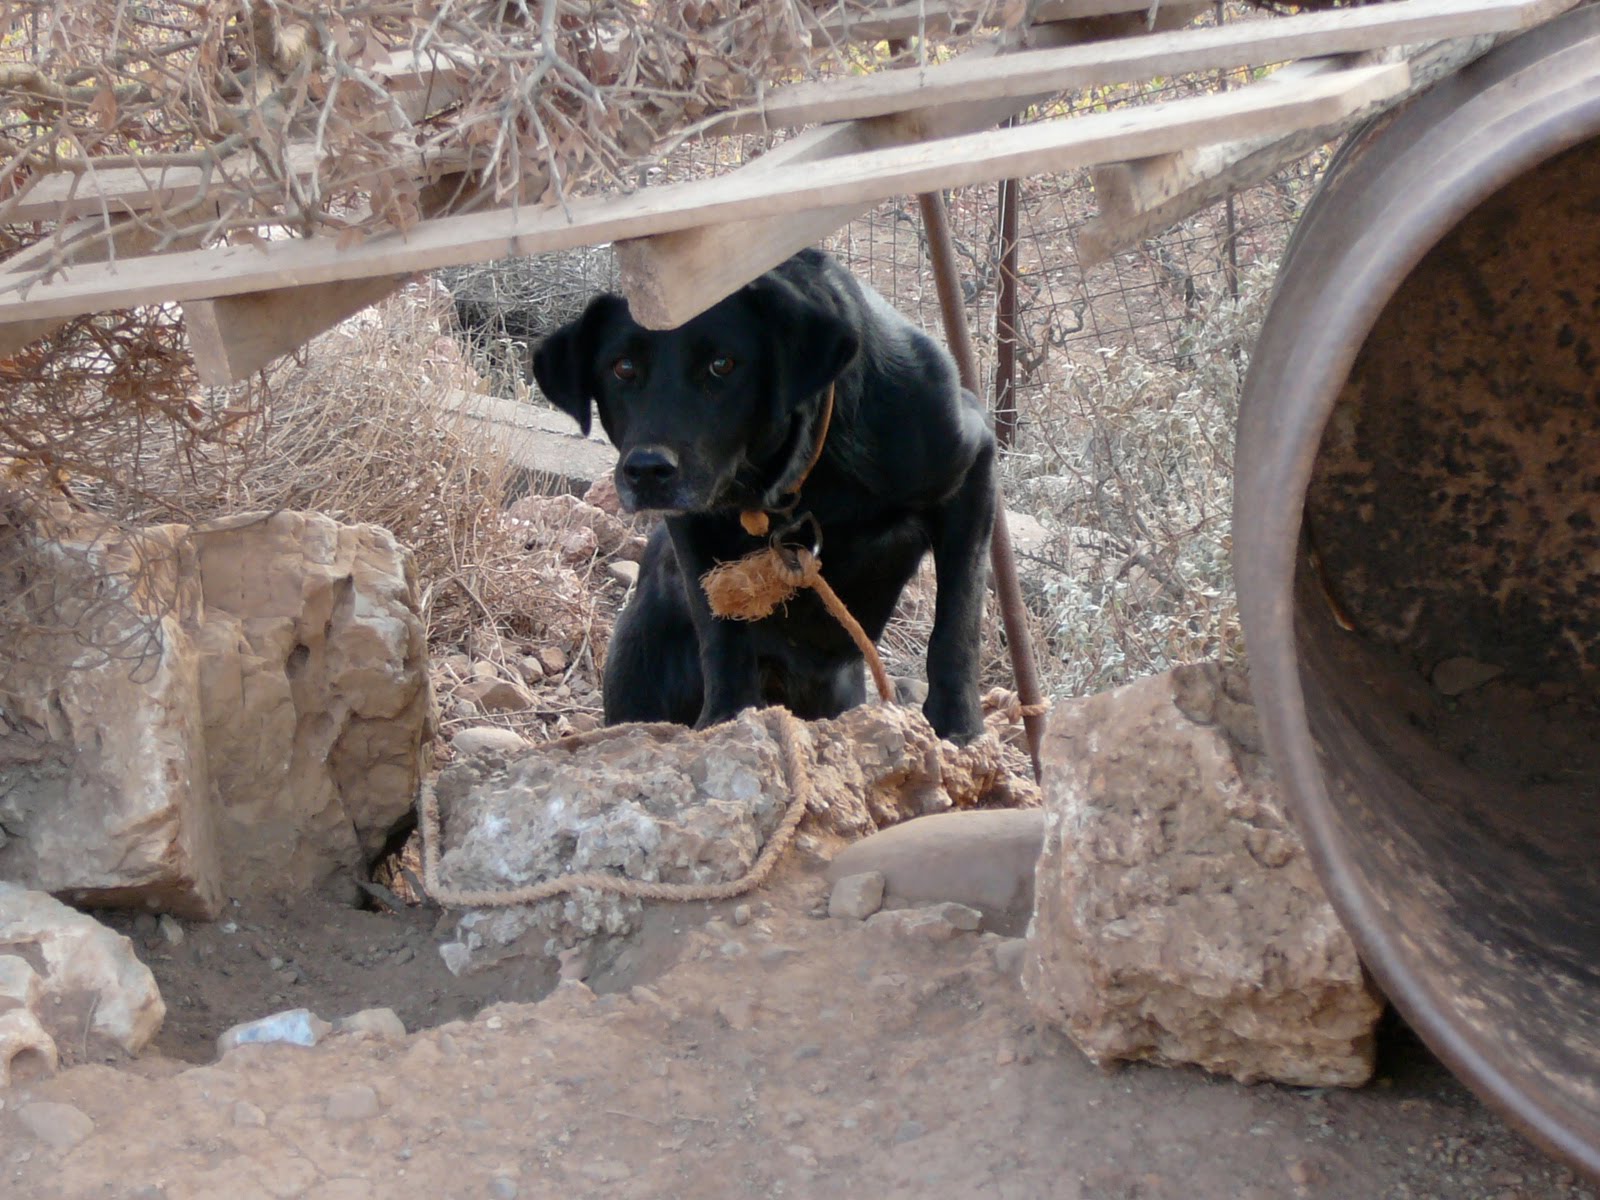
(955, 719)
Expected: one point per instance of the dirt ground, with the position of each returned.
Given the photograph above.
(791, 1054)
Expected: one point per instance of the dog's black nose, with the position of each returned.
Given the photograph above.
(650, 466)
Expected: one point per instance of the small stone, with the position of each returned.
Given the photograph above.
(960, 916)
(923, 924)
(605, 1172)
(583, 722)
(804, 1155)
(355, 1102)
(170, 930)
(1302, 1173)
(294, 1027)
(857, 897)
(379, 1022)
(552, 658)
(1008, 956)
(60, 1126)
(909, 1131)
(741, 914)
(626, 573)
(484, 670)
(247, 1115)
(480, 738)
(740, 1014)
(495, 695)
(1006, 1054)
(456, 956)
(502, 1188)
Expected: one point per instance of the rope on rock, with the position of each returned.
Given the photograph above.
(787, 731)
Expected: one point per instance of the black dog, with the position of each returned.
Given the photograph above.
(721, 416)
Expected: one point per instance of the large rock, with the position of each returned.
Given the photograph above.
(314, 684)
(233, 709)
(80, 981)
(1177, 918)
(103, 774)
(983, 858)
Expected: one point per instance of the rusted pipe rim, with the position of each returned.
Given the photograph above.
(1447, 152)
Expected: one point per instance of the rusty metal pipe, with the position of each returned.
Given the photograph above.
(1005, 319)
(1417, 533)
(1013, 611)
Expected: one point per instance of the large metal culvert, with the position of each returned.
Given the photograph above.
(1417, 536)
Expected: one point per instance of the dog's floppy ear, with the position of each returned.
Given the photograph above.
(816, 343)
(564, 363)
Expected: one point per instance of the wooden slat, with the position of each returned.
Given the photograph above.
(409, 71)
(671, 277)
(1143, 198)
(897, 21)
(235, 336)
(1252, 43)
(119, 190)
(857, 178)
(78, 243)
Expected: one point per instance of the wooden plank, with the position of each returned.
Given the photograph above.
(856, 178)
(233, 337)
(77, 243)
(1143, 198)
(671, 277)
(1251, 43)
(408, 70)
(892, 22)
(118, 190)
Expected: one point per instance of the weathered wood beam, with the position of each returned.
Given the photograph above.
(856, 178)
(671, 277)
(894, 22)
(84, 241)
(974, 77)
(118, 190)
(1146, 197)
(233, 337)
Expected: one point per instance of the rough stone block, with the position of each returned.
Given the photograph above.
(1177, 918)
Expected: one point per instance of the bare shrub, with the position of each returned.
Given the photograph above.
(1131, 464)
(502, 307)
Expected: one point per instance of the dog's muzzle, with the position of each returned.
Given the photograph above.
(648, 478)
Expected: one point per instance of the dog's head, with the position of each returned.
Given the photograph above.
(715, 414)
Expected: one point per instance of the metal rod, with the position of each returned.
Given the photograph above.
(1005, 319)
(1013, 614)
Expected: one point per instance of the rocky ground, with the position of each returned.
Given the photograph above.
(756, 1048)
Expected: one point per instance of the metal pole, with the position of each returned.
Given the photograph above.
(1013, 614)
(1005, 319)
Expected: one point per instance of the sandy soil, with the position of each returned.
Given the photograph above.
(791, 1055)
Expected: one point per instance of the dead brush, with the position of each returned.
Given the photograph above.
(1131, 463)
(353, 427)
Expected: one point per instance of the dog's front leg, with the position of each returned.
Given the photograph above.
(727, 652)
(964, 525)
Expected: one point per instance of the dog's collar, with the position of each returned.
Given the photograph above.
(758, 521)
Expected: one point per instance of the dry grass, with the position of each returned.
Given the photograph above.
(1131, 466)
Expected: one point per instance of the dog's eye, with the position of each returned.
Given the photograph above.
(624, 370)
(722, 366)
